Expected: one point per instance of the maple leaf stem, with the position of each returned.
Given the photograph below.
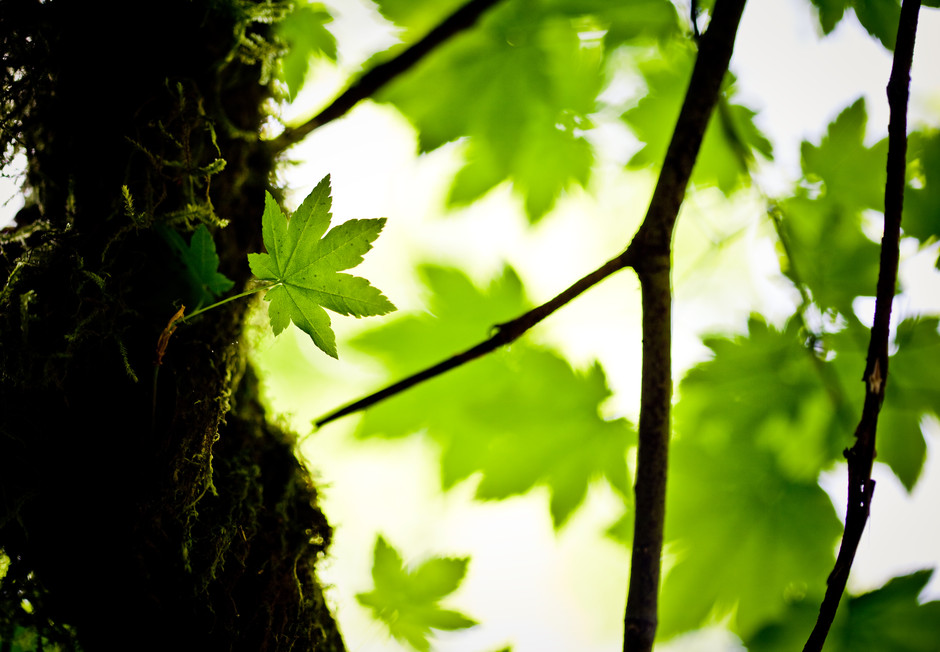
(861, 456)
(247, 293)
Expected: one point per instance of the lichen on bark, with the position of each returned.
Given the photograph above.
(151, 510)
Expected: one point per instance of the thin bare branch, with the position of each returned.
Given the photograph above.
(861, 456)
(504, 334)
(376, 78)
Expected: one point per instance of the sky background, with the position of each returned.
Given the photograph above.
(531, 588)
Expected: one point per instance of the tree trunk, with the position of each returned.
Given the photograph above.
(142, 509)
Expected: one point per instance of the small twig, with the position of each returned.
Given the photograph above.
(376, 78)
(861, 456)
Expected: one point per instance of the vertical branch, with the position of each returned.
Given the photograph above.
(651, 249)
(861, 456)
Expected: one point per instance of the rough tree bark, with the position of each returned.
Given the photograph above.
(142, 510)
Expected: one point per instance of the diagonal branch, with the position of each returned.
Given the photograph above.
(861, 456)
(376, 78)
(504, 334)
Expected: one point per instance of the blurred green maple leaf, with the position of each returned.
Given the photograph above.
(922, 196)
(520, 85)
(825, 249)
(878, 17)
(912, 391)
(520, 417)
(406, 599)
(303, 268)
(852, 174)
(746, 521)
(305, 33)
(889, 618)
(745, 533)
(731, 138)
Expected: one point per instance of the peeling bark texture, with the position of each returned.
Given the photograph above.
(142, 510)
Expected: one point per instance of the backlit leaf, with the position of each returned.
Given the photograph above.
(890, 618)
(745, 533)
(746, 520)
(406, 599)
(912, 391)
(878, 17)
(303, 268)
(827, 252)
(852, 174)
(520, 417)
(304, 31)
(730, 141)
(521, 86)
(922, 197)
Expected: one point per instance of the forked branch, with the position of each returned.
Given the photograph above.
(654, 240)
(861, 456)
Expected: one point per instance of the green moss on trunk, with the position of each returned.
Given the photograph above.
(138, 508)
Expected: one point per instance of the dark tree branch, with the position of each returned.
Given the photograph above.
(654, 240)
(376, 78)
(861, 456)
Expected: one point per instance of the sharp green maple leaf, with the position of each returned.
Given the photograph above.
(303, 267)
(406, 599)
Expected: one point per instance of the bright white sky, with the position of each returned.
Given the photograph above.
(530, 588)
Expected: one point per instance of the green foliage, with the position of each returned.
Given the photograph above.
(890, 618)
(826, 250)
(745, 516)
(878, 17)
(731, 139)
(416, 17)
(852, 175)
(201, 263)
(520, 418)
(922, 202)
(303, 268)
(726, 397)
(407, 600)
(912, 392)
(305, 34)
(528, 81)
